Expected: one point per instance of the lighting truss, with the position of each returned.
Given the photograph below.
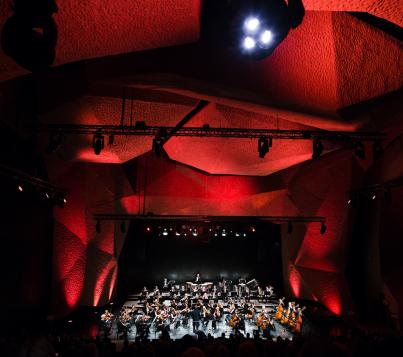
(206, 219)
(140, 129)
(22, 177)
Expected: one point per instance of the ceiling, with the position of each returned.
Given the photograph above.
(332, 62)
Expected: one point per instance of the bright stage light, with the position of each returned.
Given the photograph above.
(252, 24)
(249, 43)
(266, 37)
(256, 28)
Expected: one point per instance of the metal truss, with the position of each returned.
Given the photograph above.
(141, 129)
(206, 219)
(22, 177)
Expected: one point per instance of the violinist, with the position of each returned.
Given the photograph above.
(206, 315)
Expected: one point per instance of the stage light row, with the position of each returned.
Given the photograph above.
(55, 197)
(26, 184)
(194, 232)
(264, 145)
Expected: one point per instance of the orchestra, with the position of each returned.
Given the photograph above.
(206, 303)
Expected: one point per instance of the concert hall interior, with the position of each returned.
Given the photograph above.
(201, 177)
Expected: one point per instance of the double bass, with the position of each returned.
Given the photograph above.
(280, 310)
(298, 323)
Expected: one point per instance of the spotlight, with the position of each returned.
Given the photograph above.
(230, 23)
(252, 24)
(158, 146)
(359, 150)
(253, 229)
(349, 201)
(377, 150)
(289, 228)
(98, 227)
(263, 146)
(98, 143)
(317, 148)
(373, 196)
(20, 188)
(123, 227)
(249, 43)
(323, 228)
(265, 38)
(148, 229)
(59, 200)
(55, 141)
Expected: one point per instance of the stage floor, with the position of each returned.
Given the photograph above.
(222, 326)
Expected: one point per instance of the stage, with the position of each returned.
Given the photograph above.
(218, 308)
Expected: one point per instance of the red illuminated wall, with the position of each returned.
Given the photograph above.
(85, 264)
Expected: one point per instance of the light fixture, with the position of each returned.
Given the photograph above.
(265, 38)
(20, 188)
(251, 24)
(258, 39)
(263, 146)
(227, 23)
(317, 148)
(249, 43)
(323, 228)
(98, 143)
(59, 200)
(158, 146)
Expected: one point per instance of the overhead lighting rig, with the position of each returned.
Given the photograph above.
(43, 188)
(265, 137)
(211, 220)
(208, 131)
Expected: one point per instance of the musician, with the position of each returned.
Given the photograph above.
(280, 309)
(259, 293)
(156, 292)
(237, 322)
(268, 292)
(217, 314)
(144, 294)
(196, 317)
(206, 316)
(198, 279)
(165, 286)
